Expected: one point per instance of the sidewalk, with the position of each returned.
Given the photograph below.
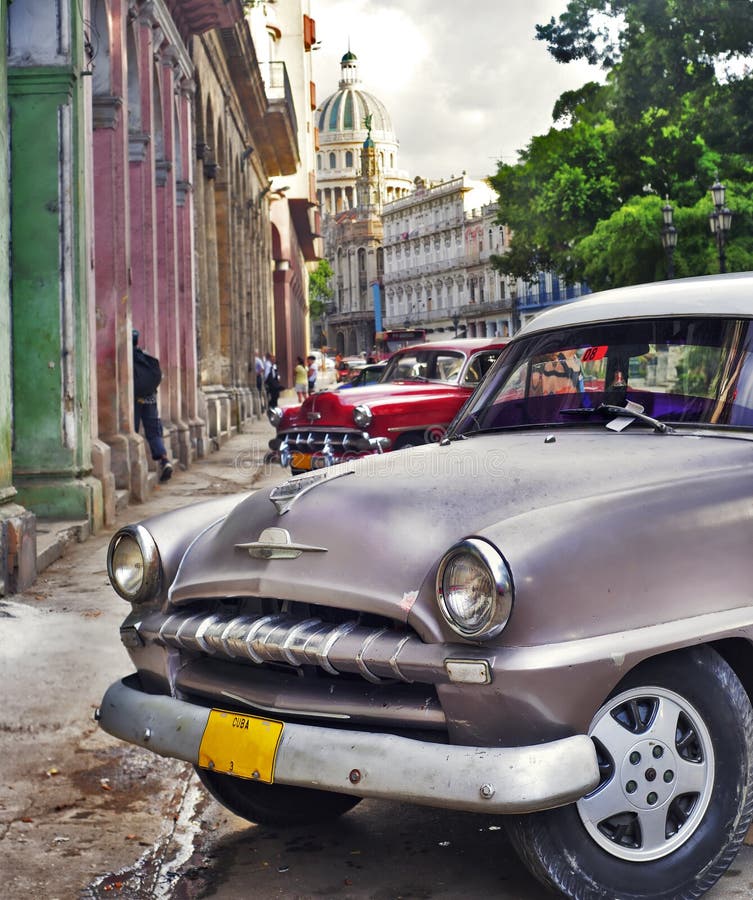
(232, 467)
(79, 809)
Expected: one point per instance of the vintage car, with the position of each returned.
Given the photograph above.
(413, 403)
(550, 617)
(348, 366)
(371, 373)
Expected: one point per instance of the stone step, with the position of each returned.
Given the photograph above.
(54, 536)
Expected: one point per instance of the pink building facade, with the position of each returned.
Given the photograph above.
(185, 143)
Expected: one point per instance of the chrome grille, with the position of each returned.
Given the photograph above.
(336, 441)
(374, 653)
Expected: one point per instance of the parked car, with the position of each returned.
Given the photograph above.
(413, 403)
(551, 618)
(348, 366)
(371, 373)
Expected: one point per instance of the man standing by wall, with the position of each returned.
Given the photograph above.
(146, 378)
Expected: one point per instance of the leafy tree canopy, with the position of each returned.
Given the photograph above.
(320, 289)
(585, 199)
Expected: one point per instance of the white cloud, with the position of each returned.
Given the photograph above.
(465, 84)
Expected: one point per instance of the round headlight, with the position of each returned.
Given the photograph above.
(275, 416)
(475, 589)
(362, 416)
(133, 564)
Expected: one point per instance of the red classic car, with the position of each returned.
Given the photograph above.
(423, 388)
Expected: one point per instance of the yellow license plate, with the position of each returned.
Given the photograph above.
(300, 460)
(306, 461)
(240, 745)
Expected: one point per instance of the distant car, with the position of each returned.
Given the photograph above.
(348, 366)
(547, 618)
(417, 397)
(371, 373)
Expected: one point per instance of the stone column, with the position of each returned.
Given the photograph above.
(186, 279)
(143, 223)
(50, 322)
(167, 249)
(111, 235)
(17, 525)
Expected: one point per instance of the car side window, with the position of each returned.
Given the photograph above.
(479, 366)
(448, 367)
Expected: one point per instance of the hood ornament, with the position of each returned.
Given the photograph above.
(275, 543)
(284, 495)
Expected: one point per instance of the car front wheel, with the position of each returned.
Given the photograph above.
(675, 799)
(274, 804)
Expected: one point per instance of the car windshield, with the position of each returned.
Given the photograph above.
(425, 365)
(694, 370)
(448, 366)
(368, 375)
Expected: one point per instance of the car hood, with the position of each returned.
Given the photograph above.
(371, 532)
(326, 405)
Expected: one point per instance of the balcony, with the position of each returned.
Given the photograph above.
(476, 310)
(280, 120)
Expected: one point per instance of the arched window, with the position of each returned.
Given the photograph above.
(332, 161)
(319, 161)
(349, 159)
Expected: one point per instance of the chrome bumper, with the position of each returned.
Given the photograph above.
(475, 779)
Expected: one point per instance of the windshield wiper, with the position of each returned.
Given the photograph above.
(626, 412)
(632, 413)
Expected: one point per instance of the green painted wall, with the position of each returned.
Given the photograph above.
(51, 375)
(6, 489)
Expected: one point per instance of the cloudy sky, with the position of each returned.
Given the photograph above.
(465, 81)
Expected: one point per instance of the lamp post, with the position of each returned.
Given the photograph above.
(514, 307)
(720, 221)
(669, 238)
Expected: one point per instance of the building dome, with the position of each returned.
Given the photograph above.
(356, 144)
(347, 109)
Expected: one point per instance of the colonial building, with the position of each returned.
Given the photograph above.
(285, 62)
(150, 140)
(434, 258)
(438, 274)
(342, 131)
(357, 173)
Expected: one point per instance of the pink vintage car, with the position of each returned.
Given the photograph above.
(422, 389)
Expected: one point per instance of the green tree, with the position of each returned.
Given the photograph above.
(320, 289)
(584, 199)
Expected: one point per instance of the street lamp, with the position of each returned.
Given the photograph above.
(720, 221)
(514, 307)
(669, 238)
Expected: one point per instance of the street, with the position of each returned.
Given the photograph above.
(84, 817)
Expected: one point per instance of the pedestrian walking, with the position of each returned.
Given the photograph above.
(272, 381)
(147, 376)
(259, 375)
(301, 379)
(311, 360)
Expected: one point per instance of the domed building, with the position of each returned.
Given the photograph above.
(346, 119)
(356, 174)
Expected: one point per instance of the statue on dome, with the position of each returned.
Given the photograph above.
(367, 122)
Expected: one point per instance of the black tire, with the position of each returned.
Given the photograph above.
(689, 720)
(274, 804)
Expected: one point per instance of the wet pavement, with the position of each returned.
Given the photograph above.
(76, 805)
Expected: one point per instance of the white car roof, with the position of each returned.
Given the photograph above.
(709, 295)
